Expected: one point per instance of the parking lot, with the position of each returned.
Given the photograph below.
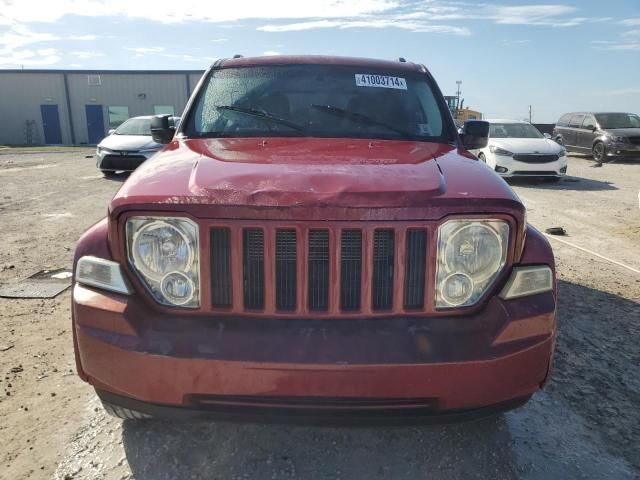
(585, 424)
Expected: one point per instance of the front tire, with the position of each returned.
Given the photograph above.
(108, 173)
(482, 158)
(599, 152)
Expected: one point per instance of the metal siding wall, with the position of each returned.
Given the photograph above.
(21, 95)
(122, 89)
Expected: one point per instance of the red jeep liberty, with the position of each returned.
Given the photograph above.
(314, 242)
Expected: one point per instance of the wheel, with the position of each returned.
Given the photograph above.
(558, 140)
(124, 413)
(599, 152)
(108, 173)
(482, 158)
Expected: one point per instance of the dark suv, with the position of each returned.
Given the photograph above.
(604, 135)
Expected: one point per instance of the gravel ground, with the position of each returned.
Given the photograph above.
(585, 424)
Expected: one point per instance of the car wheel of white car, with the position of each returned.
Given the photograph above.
(482, 158)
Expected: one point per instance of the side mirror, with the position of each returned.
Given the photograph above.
(111, 131)
(475, 134)
(161, 131)
(547, 136)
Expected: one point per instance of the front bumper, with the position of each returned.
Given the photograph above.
(623, 150)
(515, 168)
(432, 365)
(127, 161)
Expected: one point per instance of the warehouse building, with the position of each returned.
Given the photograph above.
(78, 107)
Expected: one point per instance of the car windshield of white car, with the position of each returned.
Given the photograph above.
(330, 101)
(135, 126)
(513, 130)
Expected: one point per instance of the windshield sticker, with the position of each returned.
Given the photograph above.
(382, 81)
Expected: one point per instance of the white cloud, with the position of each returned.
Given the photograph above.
(616, 45)
(16, 58)
(271, 52)
(631, 22)
(218, 40)
(631, 33)
(170, 11)
(82, 37)
(86, 54)
(414, 26)
(143, 50)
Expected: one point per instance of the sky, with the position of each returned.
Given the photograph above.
(556, 57)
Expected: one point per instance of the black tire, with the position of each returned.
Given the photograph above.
(559, 141)
(482, 158)
(108, 173)
(599, 152)
(124, 413)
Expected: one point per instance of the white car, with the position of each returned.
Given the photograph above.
(517, 148)
(128, 146)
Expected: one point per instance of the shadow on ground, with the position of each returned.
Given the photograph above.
(566, 183)
(584, 425)
(117, 177)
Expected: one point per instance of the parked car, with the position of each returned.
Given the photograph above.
(128, 146)
(318, 243)
(606, 136)
(517, 148)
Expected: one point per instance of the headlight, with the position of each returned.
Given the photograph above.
(164, 252)
(471, 254)
(562, 153)
(500, 151)
(618, 139)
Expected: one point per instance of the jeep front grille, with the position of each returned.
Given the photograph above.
(340, 270)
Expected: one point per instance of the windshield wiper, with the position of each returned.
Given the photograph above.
(359, 117)
(261, 114)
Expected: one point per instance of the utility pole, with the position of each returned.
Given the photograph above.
(529, 113)
(458, 82)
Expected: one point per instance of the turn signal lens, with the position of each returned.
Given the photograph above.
(525, 281)
(101, 273)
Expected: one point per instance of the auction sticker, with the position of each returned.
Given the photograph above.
(382, 81)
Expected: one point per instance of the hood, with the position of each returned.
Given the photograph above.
(308, 173)
(129, 142)
(625, 132)
(527, 145)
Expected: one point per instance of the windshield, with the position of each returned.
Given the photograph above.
(135, 126)
(317, 101)
(618, 120)
(513, 130)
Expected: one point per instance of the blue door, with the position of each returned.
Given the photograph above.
(95, 123)
(51, 124)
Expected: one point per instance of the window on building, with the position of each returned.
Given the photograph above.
(163, 110)
(94, 80)
(117, 115)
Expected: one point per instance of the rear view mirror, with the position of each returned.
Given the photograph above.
(546, 135)
(111, 131)
(475, 134)
(161, 131)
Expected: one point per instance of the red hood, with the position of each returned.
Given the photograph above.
(304, 173)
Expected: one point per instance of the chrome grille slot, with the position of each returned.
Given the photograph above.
(415, 269)
(286, 270)
(318, 265)
(220, 268)
(350, 270)
(383, 257)
(253, 268)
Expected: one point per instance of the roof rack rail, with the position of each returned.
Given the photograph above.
(402, 60)
(237, 55)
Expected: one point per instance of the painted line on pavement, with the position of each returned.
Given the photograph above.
(591, 252)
